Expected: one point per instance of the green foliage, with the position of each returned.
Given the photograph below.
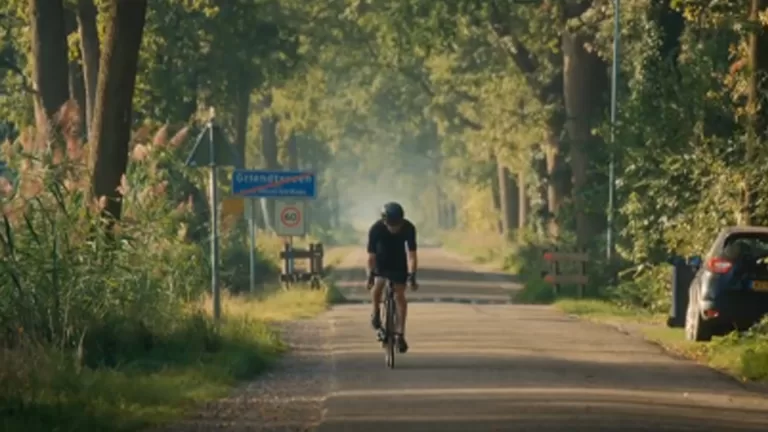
(104, 329)
(235, 262)
(647, 287)
(190, 362)
(64, 275)
(745, 354)
(409, 100)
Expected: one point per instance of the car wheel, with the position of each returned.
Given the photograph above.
(696, 328)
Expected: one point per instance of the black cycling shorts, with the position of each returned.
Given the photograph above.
(398, 277)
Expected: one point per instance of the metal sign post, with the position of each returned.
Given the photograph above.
(214, 224)
(218, 153)
(251, 215)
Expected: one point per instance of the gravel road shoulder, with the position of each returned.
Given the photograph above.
(287, 398)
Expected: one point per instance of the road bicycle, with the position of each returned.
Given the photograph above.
(387, 333)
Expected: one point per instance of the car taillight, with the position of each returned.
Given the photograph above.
(719, 265)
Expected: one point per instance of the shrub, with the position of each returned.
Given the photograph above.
(102, 322)
(67, 279)
(236, 260)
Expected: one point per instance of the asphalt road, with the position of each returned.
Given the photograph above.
(442, 277)
(492, 366)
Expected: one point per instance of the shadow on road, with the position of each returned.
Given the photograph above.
(545, 413)
(445, 392)
(431, 275)
(445, 372)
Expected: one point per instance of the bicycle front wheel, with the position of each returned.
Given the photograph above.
(390, 332)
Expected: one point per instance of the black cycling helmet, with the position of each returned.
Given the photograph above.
(392, 213)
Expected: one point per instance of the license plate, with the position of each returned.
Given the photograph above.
(760, 285)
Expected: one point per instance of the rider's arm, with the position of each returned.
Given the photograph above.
(371, 264)
(413, 259)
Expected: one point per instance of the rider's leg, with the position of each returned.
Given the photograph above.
(376, 294)
(402, 307)
(402, 312)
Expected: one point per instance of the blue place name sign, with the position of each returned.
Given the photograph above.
(274, 184)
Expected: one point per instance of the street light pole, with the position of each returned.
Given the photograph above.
(611, 165)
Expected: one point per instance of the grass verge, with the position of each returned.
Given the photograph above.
(494, 251)
(194, 362)
(605, 311)
(482, 248)
(335, 255)
(743, 356)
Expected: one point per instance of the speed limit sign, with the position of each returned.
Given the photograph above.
(290, 218)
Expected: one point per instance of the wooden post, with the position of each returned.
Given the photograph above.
(287, 265)
(292, 262)
(312, 259)
(320, 257)
(555, 276)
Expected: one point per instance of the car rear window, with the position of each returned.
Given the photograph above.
(754, 245)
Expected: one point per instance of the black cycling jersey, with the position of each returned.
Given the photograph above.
(390, 247)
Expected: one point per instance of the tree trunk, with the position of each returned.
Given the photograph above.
(242, 113)
(507, 200)
(111, 126)
(540, 220)
(334, 206)
(513, 200)
(441, 206)
(242, 98)
(269, 147)
(584, 81)
(557, 182)
(49, 57)
(447, 209)
(496, 199)
(89, 47)
(672, 24)
(551, 92)
(522, 201)
(76, 86)
(77, 90)
(292, 149)
(189, 107)
(757, 108)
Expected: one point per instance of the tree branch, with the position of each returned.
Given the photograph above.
(573, 10)
(524, 59)
(9, 65)
(427, 88)
(463, 120)
(519, 54)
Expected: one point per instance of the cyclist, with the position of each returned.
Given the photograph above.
(387, 240)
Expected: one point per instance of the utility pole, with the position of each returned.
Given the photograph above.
(611, 165)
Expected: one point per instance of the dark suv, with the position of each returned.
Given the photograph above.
(730, 289)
